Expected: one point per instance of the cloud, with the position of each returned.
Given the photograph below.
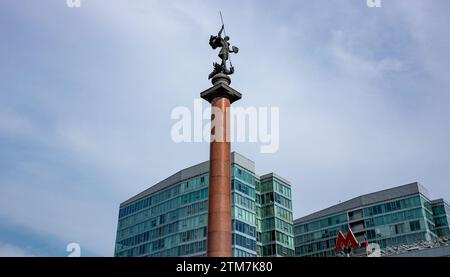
(14, 124)
(357, 66)
(64, 217)
(8, 250)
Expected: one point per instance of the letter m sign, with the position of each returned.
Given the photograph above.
(344, 242)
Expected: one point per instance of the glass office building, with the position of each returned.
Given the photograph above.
(390, 217)
(441, 216)
(170, 218)
(274, 217)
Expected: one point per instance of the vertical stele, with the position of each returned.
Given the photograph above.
(221, 96)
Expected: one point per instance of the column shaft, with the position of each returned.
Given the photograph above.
(219, 215)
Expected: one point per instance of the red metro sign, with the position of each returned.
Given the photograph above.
(345, 242)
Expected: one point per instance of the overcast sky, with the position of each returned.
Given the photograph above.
(86, 96)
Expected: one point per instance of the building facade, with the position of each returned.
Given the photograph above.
(170, 218)
(441, 216)
(274, 217)
(395, 216)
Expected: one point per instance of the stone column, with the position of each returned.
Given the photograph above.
(221, 96)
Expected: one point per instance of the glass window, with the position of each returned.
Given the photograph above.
(414, 225)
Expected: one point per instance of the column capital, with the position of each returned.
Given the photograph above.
(221, 89)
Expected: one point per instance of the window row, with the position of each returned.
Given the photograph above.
(440, 221)
(283, 189)
(319, 224)
(183, 250)
(265, 186)
(243, 174)
(244, 242)
(174, 203)
(176, 227)
(395, 217)
(316, 246)
(164, 195)
(283, 201)
(284, 226)
(439, 210)
(271, 197)
(243, 201)
(265, 198)
(406, 239)
(276, 249)
(244, 188)
(285, 251)
(243, 215)
(268, 224)
(267, 211)
(269, 250)
(170, 241)
(393, 206)
(269, 236)
(283, 213)
(244, 228)
(393, 230)
(285, 239)
(322, 234)
(241, 253)
(154, 222)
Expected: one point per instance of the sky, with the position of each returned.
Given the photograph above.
(86, 96)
